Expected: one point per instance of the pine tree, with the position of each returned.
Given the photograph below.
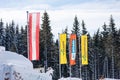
(65, 67)
(85, 68)
(84, 31)
(23, 42)
(111, 40)
(12, 37)
(7, 38)
(16, 38)
(56, 75)
(2, 34)
(118, 50)
(98, 54)
(105, 34)
(47, 39)
(90, 58)
(76, 30)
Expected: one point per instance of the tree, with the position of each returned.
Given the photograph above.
(17, 38)
(56, 75)
(65, 67)
(86, 67)
(118, 50)
(47, 39)
(22, 39)
(105, 34)
(84, 31)
(76, 30)
(7, 38)
(2, 34)
(12, 37)
(98, 54)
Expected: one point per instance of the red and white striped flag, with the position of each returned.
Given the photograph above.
(34, 25)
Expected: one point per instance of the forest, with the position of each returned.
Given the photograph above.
(103, 48)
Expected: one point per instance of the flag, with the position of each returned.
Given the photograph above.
(34, 25)
(63, 59)
(84, 49)
(72, 49)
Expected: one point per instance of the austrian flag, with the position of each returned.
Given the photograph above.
(34, 24)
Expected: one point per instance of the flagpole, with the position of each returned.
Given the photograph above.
(69, 58)
(80, 58)
(27, 33)
(70, 70)
(59, 56)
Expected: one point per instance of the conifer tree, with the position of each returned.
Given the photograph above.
(16, 38)
(47, 39)
(23, 41)
(7, 38)
(65, 68)
(2, 34)
(84, 68)
(12, 37)
(76, 30)
(84, 31)
(97, 54)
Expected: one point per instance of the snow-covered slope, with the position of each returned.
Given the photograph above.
(70, 78)
(110, 79)
(11, 58)
(81, 79)
(17, 67)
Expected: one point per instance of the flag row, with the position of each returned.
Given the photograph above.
(73, 49)
(33, 43)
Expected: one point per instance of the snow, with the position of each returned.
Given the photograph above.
(110, 79)
(2, 48)
(81, 79)
(11, 58)
(70, 78)
(16, 67)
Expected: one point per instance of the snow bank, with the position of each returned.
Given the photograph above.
(17, 67)
(81, 79)
(69, 78)
(2, 48)
(11, 58)
(110, 79)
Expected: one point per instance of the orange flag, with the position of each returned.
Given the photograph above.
(72, 49)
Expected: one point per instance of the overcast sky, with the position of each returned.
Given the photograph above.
(62, 12)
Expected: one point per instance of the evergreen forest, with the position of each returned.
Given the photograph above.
(103, 48)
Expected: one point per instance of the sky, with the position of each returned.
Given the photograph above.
(62, 12)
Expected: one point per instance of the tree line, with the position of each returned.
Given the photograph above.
(103, 48)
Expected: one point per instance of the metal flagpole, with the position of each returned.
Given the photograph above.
(46, 66)
(70, 72)
(59, 56)
(27, 34)
(80, 58)
(107, 66)
(112, 63)
(69, 57)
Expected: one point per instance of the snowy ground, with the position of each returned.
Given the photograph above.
(81, 79)
(17, 67)
(110, 79)
(70, 78)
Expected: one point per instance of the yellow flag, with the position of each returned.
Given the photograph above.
(63, 59)
(84, 49)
